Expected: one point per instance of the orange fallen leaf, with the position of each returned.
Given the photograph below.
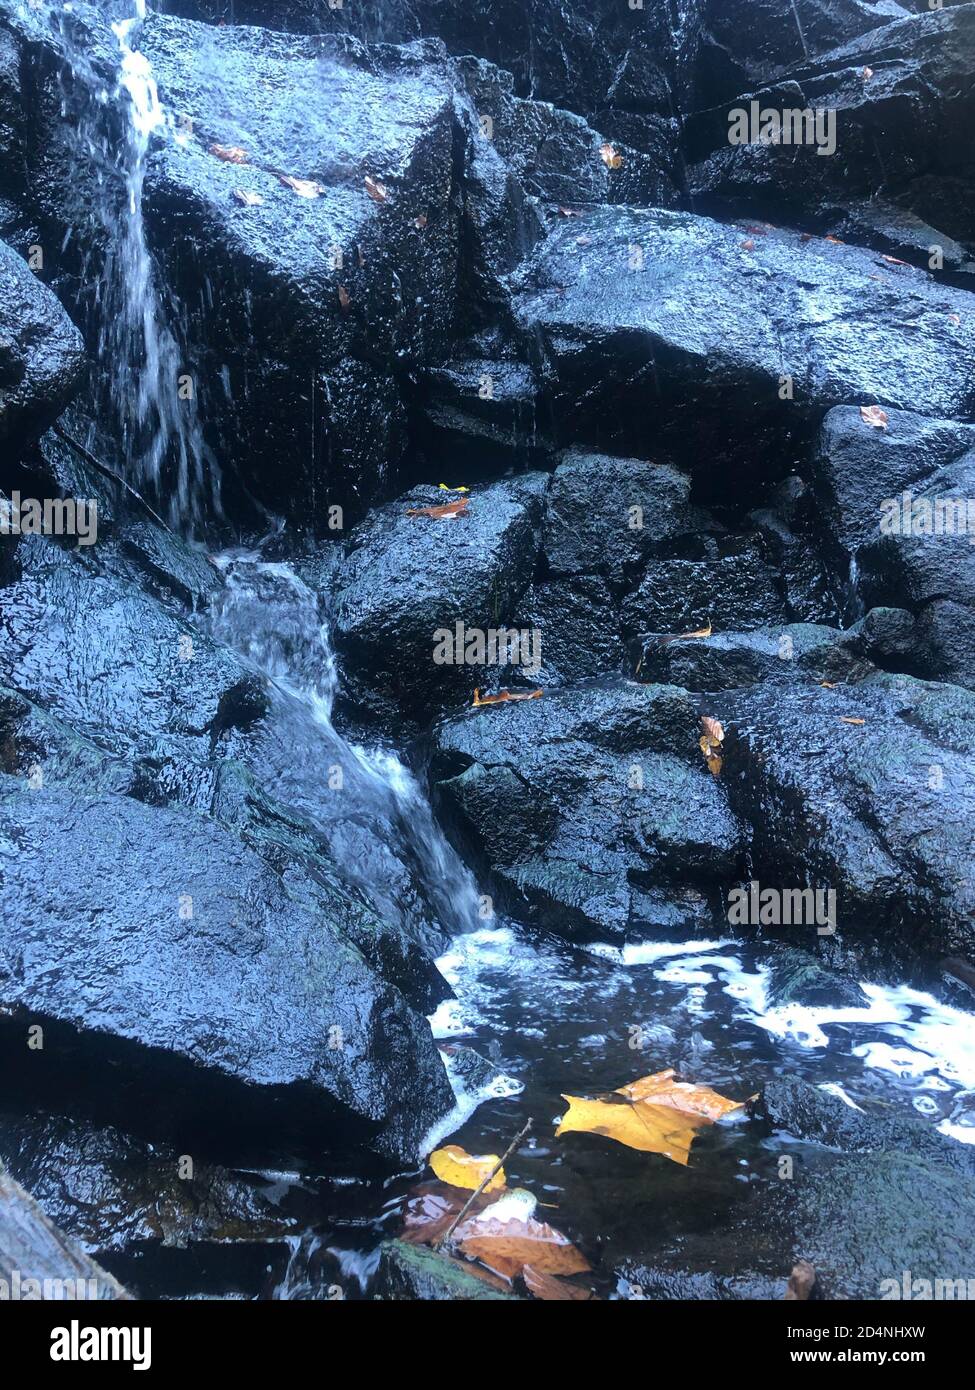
(458, 508)
(455, 1166)
(710, 743)
(610, 156)
(507, 1246)
(553, 1290)
(874, 415)
(305, 188)
(893, 260)
(431, 1209)
(835, 240)
(828, 685)
(375, 189)
(504, 697)
(230, 154)
(748, 245)
(248, 199)
(845, 719)
(654, 1114)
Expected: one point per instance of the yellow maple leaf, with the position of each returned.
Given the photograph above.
(654, 1114)
(455, 1166)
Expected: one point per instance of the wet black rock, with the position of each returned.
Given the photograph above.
(772, 655)
(41, 355)
(482, 411)
(671, 328)
(351, 288)
(586, 799)
(903, 97)
(731, 586)
(38, 1260)
(578, 629)
(227, 1013)
(606, 515)
(110, 1191)
(895, 501)
(865, 789)
(410, 579)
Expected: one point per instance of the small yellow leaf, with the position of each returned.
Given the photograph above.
(610, 156)
(845, 719)
(455, 1166)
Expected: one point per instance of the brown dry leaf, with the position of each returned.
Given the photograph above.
(230, 154)
(247, 199)
(305, 188)
(507, 1246)
(748, 245)
(420, 222)
(552, 1290)
(713, 729)
(893, 260)
(801, 1281)
(866, 74)
(431, 1210)
(375, 189)
(458, 508)
(874, 415)
(455, 1166)
(835, 240)
(610, 156)
(828, 685)
(710, 743)
(655, 1114)
(806, 236)
(504, 697)
(345, 299)
(846, 719)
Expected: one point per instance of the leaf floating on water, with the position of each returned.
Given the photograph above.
(432, 1209)
(610, 156)
(458, 508)
(455, 1166)
(248, 199)
(305, 188)
(504, 697)
(874, 415)
(801, 1282)
(553, 1290)
(375, 189)
(654, 1114)
(507, 1246)
(230, 154)
(845, 719)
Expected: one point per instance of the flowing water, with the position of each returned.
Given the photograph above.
(549, 1018)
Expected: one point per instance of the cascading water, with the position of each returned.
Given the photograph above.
(148, 390)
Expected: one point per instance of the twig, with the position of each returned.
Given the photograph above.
(477, 1192)
(108, 473)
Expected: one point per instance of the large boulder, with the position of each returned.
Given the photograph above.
(668, 328)
(901, 97)
(41, 356)
(865, 789)
(591, 807)
(226, 1012)
(407, 579)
